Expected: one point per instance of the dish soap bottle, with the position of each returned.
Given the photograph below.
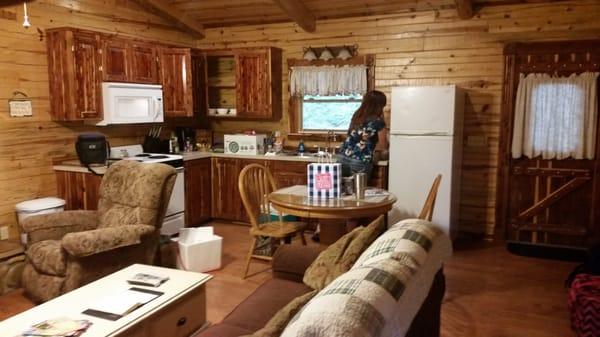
(301, 147)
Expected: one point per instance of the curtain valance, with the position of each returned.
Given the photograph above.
(328, 80)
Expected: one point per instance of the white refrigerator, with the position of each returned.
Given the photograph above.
(426, 140)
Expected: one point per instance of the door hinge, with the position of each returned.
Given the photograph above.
(73, 48)
(100, 68)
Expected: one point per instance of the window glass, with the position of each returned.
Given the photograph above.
(321, 113)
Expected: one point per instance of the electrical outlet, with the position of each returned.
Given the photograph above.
(4, 233)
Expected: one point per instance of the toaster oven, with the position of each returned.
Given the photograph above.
(245, 144)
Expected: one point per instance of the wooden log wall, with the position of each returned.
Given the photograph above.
(28, 145)
(435, 48)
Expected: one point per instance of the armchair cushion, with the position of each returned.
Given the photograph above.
(48, 257)
(104, 239)
(54, 226)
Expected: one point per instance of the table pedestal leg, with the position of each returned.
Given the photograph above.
(331, 230)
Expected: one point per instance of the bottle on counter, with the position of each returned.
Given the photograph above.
(301, 148)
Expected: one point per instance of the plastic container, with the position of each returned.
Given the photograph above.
(199, 249)
(39, 206)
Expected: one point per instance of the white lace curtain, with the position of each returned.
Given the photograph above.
(556, 117)
(328, 80)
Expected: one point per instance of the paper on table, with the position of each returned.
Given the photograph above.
(123, 302)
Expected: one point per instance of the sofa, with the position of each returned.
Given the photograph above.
(67, 250)
(424, 295)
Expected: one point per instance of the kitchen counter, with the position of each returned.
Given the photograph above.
(75, 166)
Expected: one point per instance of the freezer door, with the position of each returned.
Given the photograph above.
(423, 110)
(414, 163)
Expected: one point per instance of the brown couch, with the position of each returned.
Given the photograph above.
(289, 264)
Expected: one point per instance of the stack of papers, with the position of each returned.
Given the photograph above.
(119, 304)
(58, 327)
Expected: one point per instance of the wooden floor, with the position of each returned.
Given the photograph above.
(491, 293)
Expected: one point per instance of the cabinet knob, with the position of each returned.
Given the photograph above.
(181, 321)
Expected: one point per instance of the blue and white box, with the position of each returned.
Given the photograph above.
(324, 180)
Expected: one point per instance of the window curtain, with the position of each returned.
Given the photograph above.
(328, 80)
(556, 117)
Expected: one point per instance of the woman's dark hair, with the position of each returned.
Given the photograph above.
(371, 108)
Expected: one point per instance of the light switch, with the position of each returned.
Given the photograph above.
(4, 233)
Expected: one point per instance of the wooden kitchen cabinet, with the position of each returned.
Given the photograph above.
(74, 66)
(198, 191)
(176, 77)
(116, 59)
(81, 191)
(288, 173)
(144, 63)
(251, 85)
(226, 203)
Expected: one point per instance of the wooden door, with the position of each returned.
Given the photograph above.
(81, 191)
(88, 104)
(252, 84)
(542, 201)
(198, 191)
(227, 203)
(144, 64)
(175, 73)
(199, 83)
(115, 60)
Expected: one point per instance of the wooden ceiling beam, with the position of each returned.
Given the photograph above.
(179, 18)
(298, 12)
(464, 9)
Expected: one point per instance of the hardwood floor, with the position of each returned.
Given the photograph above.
(490, 292)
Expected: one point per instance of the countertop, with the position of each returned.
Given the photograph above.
(75, 166)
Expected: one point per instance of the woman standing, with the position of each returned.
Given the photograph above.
(366, 134)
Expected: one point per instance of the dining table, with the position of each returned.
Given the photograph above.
(294, 200)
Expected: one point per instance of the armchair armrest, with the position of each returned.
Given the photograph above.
(104, 239)
(291, 261)
(54, 226)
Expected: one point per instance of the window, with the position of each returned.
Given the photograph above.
(555, 117)
(323, 113)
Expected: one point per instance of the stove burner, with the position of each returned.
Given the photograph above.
(143, 155)
(160, 156)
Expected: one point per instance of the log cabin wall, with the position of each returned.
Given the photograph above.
(434, 48)
(28, 145)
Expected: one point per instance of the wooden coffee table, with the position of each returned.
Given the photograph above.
(179, 312)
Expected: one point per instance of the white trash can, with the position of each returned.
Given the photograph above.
(39, 206)
(199, 249)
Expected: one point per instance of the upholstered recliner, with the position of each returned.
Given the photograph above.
(69, 249)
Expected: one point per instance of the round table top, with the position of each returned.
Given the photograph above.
(294, 201)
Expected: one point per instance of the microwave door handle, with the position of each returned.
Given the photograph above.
(156, 108)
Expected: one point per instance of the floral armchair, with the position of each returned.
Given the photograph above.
(69, 249)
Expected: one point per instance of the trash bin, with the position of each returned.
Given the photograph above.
(199, 249)
(39, 206)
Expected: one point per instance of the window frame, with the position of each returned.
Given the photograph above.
(295, 102)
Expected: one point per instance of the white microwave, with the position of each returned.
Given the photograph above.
(131, 103)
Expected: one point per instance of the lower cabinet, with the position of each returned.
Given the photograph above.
(79, 190)
(288, 173)
(198, 191)
(226, 203)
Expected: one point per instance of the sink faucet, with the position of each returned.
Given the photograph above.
(331, 137)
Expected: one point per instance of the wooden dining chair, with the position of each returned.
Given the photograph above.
(427, 210)
(255, 184)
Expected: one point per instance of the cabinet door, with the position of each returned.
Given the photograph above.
(175, 71)
(116, 57)
(79, 190)
(198, 194)
(253, 84)
(288, 173)
(227, 203)
(144, 67)
(87, 78)
(199, 84)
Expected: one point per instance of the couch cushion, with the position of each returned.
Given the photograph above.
(382, 293)
(256, 310)
(341, 255)
(48, 257)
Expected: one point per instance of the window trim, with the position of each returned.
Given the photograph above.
(295, 103)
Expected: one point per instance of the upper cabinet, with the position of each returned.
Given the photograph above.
(176, 75)
(245, 82)
(74, 68)
(129, 61)
(144, 63)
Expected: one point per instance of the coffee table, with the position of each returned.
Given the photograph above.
(179, 312)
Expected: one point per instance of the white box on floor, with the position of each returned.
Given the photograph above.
(199, 249)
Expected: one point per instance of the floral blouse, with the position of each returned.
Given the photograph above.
(360, 143)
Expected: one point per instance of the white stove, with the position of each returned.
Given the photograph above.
(175, 215)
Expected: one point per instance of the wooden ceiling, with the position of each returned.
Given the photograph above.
(195, 15)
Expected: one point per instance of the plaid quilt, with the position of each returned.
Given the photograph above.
(363, 300)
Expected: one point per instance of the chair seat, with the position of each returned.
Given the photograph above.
(48, 257)
(277, 229)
